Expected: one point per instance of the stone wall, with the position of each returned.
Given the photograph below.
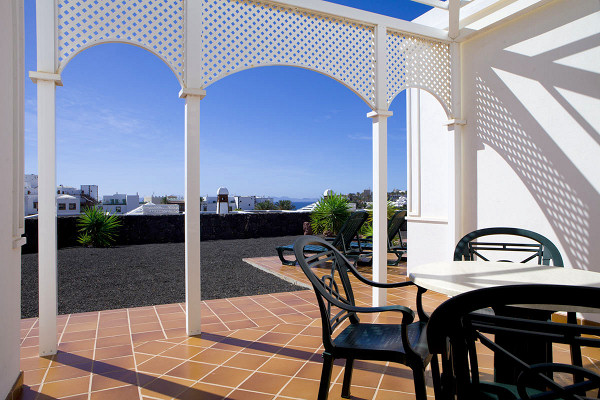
(140, 229)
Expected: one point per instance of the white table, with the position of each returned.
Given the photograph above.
(456, 277)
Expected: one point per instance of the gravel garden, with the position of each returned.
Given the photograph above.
(91, 279)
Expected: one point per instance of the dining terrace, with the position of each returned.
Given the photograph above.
(501, 130)
(255, 347)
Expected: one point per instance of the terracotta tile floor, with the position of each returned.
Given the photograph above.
(258, 347)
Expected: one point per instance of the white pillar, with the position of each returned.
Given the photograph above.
(46, 79)
(47, 217)
(192, 209)
(379, 203)
(455, 153)
(379, 116)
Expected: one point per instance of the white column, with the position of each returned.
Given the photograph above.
(47, 217)
(455, 153)
(379, 116)
(46, 79)
(379, 203)
(192, 209)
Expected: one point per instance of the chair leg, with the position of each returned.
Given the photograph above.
(347, 378)
(325, 376)
(283, 260)
(419, 378)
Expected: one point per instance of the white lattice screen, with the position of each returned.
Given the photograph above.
(417, 62)
(154, 24)
(240, 34)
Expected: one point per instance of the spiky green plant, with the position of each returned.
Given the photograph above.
(329, 214)
(97, 228)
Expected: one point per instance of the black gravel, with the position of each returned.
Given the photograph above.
(133, 276)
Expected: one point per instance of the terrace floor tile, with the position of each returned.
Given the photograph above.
(257, 347)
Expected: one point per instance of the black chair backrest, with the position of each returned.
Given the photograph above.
(328, 274)
(349, 230)
(543, 251)
(454, 328)
(396, 223)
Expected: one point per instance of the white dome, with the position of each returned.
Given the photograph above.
(328, 192)
(222, 190)
(66, 197)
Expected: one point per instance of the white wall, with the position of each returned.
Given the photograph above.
(11, 177)
(531, 92)
(428, 184)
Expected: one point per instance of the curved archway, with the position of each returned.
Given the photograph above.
(368, 101)
(64, 62)
(286, 128)
(445, 106)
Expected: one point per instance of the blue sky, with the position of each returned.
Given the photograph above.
(277, 131)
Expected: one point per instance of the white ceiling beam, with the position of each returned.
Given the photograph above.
(453, 18)
(529, 5)
(433, 3)
(364, 17)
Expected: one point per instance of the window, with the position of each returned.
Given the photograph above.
(35, 204)
(117, 209)
(58, 192)
(62, 206)
(72, 206)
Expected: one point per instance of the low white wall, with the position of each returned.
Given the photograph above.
(428, 181)
(11, 125)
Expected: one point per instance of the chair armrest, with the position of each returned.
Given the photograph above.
(407, 313)
(378, 284)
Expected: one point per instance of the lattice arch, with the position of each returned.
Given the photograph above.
(156, 25)
(415, 62)
(241, 34)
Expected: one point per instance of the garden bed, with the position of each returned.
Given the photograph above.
(91, 279)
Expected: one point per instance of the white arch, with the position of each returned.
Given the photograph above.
(63, 63)
(445, 106)
(224, 75)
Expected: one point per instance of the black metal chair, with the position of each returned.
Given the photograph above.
(455, 327)
(404, 343)
(543, 251)
(348, 232)
(539, 249)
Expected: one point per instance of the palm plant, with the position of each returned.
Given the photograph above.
(329, 214)
(96, 228)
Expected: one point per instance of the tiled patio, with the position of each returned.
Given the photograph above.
(258, 347)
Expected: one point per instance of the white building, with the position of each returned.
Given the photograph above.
(249, 202)
(90, 191)
(67, 205)
(120, 203)
(153, 199)
(155, 209)
(64, 206)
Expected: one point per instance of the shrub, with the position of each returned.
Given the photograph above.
(285, 205)
(367, 228)
(265, 205)
(96, 228)
(329, 214)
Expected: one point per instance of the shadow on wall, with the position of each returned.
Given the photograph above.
(562, 200)
(543, 128)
